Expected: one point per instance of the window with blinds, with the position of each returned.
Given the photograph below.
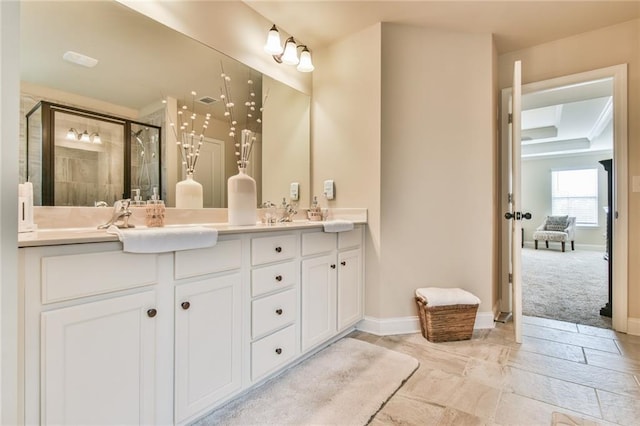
(575, 193)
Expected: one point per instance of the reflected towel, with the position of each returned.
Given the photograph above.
(337, 225)
(436, 296)
(161, 240)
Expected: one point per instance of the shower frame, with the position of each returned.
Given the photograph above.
(47, 145)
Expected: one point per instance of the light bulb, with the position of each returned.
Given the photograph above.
(273, 46)
(290, 55)
(305, 64)
(85, 137)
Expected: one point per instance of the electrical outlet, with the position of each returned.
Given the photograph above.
(329, 189)
(294, 191)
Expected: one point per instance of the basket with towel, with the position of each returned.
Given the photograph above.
(446, 314)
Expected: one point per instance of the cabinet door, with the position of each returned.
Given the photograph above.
(98, 362)
(208, 343)
(350, 288)
(318, 300)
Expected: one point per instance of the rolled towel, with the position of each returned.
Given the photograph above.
(162, 240)
(338, 225)
(436, 296)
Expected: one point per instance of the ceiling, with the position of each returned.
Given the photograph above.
(515, 24)
(562, 121)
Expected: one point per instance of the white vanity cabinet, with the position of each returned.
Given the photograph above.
(90, 335)
(332, 284)
(208, 333)
(118, 338)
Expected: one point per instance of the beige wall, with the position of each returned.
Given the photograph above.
(618, 44)
(345, 112)
(536, 194)
(438, 161)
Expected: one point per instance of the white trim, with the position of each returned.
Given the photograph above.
(633, 326)
(408, 325)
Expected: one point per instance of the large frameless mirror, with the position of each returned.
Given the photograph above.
(141, 62)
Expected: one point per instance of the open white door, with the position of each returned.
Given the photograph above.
(514, 214)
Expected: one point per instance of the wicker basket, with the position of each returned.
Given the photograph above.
(446, 323)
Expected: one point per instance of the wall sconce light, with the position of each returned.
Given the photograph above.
(288, 55)
(75, 135)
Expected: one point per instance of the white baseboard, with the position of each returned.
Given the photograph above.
(407, 325)
(633, 326)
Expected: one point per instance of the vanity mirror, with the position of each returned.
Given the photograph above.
(140, 62)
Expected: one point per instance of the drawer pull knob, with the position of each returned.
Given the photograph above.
(185, 305)
(333, 266)
(343, 263)
(279, 351)
(152, 313)
(278, 278)
(279, 311)
(278, 249)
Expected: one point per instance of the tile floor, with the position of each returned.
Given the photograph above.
(562, 374)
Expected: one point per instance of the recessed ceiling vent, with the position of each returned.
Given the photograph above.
(207, 100)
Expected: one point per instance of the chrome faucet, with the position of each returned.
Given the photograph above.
(121, 214)
(287, 211)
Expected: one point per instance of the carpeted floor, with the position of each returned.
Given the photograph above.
(346, 384)
(570, 286)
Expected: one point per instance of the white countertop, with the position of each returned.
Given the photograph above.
(80, 235)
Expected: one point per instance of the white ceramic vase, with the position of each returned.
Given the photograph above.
(241, 193)
(188, 193)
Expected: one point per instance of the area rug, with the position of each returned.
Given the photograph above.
(344, 384)
(570, 286)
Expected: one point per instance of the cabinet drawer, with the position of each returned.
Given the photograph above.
(273, 351)
(318, 242)
(273, 249)
(270, 278)
(225, 255)
(351, 238)
(272, 312)
(79, 275)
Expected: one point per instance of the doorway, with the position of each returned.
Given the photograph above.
(616, 75)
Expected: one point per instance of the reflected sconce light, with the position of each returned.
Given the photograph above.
(75, 135)
(289, 54)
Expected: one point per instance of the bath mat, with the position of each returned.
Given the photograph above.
(344, 384)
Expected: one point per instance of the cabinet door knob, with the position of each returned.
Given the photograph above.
(279, 311)
(333, 266)
(152, 313)
(343, 263)
(185, 305)
(278, 249)
(278, 278)
(279, 351)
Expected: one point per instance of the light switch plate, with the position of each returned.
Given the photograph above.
(329, 189)
(635, 184)
(294, 191)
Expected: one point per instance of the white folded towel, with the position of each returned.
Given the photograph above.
(436, 296)
(161, 240)
(337, 225)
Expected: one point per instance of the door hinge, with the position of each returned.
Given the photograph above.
(509, 197)
(510, 278)
(510, 118)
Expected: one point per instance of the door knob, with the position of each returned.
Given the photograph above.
(152, 313)
(509, 215)
(527, 215)
(185, 305)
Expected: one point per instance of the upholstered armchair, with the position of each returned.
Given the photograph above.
(556, 228)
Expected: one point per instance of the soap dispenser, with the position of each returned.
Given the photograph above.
(155, 210)
(137, 199)
(314, 214)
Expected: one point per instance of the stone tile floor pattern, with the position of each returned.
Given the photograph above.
(561, 374)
